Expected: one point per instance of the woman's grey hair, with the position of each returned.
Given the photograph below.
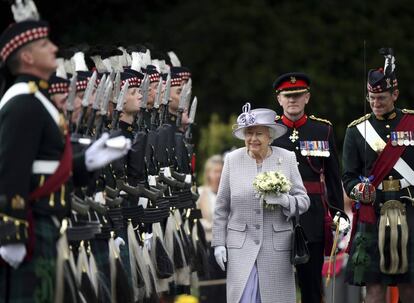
(273, 134)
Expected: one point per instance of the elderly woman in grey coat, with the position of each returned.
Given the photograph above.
(254, 240)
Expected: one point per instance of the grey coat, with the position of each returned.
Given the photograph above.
(254, 234)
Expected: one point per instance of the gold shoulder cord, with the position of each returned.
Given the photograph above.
(320, 119)
(359, 120)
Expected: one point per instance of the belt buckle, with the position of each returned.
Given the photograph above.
(391, 185)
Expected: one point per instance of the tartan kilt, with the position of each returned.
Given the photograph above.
(33, 280)
(372, 273)
(100, 251)
(124, 254)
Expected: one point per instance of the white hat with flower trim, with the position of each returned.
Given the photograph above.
(257, 117)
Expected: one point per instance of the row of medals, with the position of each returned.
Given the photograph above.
(314, 148)
(401, 138)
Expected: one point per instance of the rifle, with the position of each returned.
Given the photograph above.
(96, 104)
(163, 113)
(104, 110)
(191, 118)
(71, 99)
(184, 96)
(188, 94)
(144, 91)
(156, 107)
(119, 106)
(117, 87)
(85, 101)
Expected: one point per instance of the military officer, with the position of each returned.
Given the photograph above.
(36, 164)
(312, 139)
(379, 146)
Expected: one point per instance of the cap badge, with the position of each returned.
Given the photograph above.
(293, 80)
(388, 80)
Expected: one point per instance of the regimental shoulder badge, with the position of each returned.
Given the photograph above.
(17, 202)
(408, 111)
(32, 87)
(359, 120)
(277, 117)
(320, 119)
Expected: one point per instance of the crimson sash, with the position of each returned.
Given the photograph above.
(381, 167)
(390, 155)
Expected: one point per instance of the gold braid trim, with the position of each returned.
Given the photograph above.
(6, 218)
(359, 120)
(320, 119)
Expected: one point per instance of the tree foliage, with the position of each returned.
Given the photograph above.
(236, 48)
(217, 138)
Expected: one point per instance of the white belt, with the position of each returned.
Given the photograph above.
(46, 167)
(403, 184)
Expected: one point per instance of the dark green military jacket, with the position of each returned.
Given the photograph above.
(28, 133)
(358, 157)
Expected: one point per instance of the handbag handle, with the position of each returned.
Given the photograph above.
(296, 211)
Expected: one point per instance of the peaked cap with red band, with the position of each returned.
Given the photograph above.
(292, 83)
(19, 34)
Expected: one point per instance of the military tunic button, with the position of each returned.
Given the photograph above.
(387, 126)
(256, 242)
(257, 226)
(388, 136)
(297, 147)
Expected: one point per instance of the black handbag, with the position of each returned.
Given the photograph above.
(300, 251)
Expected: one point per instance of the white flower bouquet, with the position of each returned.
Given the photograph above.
(273, 183)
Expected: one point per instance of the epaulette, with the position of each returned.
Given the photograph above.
(32, 87)
(359, 120)
(277, 117)
(408, 111)
(320, 119)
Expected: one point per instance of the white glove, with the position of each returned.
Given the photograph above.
(118, 242)
(220, 254)
(24, 11)
(101, 153)
(280, 199)
(13, 254)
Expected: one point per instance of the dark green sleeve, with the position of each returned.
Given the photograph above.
(333, 175)
(352, 161)
(81, 176)
(21, 123)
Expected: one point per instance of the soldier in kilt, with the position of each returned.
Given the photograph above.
(37, 166)
(378, 162)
